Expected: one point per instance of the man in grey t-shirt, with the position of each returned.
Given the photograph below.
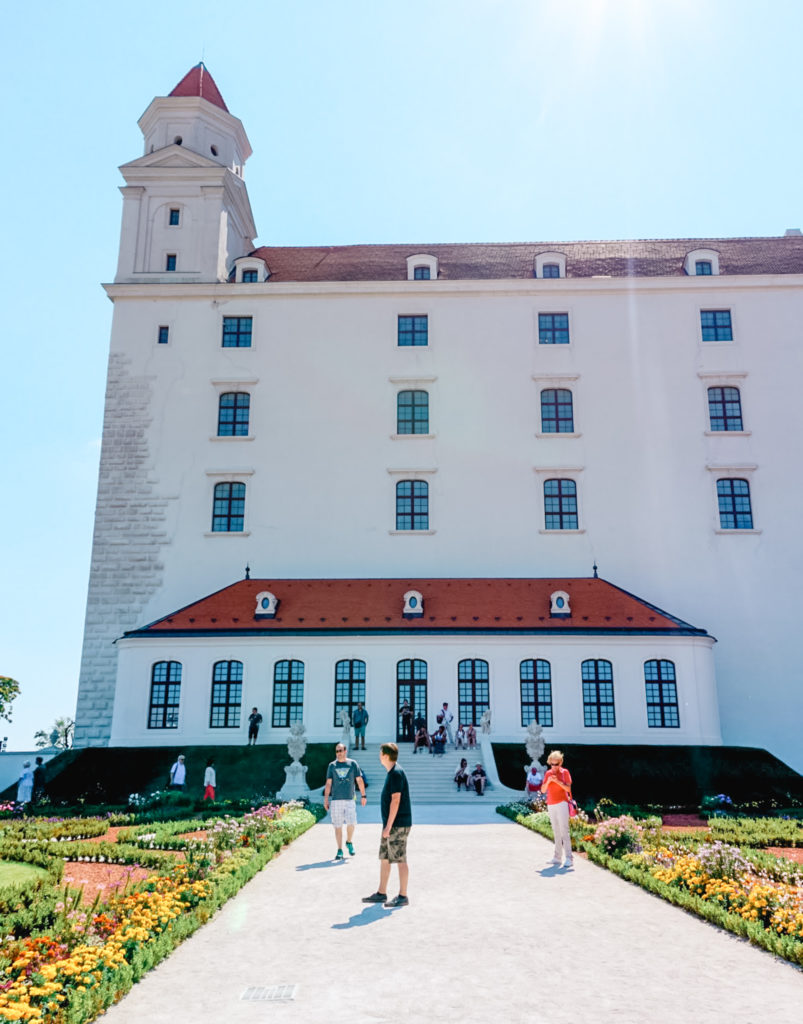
(342, 775)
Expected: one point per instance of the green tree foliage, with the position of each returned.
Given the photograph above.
(61, 735)
(9, 691)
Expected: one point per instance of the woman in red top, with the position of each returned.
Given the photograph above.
(558, 785)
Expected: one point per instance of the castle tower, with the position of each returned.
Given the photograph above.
(186, 219)
(186, 213)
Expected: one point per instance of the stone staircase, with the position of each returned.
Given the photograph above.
(431, 778)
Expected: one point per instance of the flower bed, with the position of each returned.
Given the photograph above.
(745, 890)
(65, 963)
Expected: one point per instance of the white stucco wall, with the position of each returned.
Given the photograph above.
(697, 699)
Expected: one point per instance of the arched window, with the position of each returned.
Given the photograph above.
(288, 693)
(557, 411)
(165, 694)
(735, 512)
(473, 697)
(598, 706)
(349, 687)
(227, 695)
(725, 408)
(228, 509)
(560, 505)
(234, 408)
(411, 686)
(662, 695)
(412, 412)
(535, 680)
(412, 505)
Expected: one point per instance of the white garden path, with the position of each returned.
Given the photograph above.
(491, 934)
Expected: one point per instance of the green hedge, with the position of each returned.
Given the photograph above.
(757, 832)
(667, 776)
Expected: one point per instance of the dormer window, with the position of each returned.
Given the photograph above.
(413, 605)
(701, 263)
(422, 267)
(267, 605)
(559, 607)
(550, 265)
(249, 270)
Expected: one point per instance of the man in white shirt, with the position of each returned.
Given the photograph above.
(178, 774)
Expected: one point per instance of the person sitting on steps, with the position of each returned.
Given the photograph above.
(460, 739)
(471, 737)
(461, 775)
(479, 779)
(439, 739)
(422, 738)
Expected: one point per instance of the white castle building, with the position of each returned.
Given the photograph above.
(423, 452)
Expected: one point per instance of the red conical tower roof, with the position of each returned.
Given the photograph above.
(198, 82)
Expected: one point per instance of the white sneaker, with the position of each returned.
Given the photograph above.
(555, 862)
(568, 863)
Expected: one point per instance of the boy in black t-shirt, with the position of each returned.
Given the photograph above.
(397, 819)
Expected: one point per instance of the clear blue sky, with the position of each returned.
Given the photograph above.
(437, 121)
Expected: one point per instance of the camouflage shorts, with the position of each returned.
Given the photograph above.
(394, 848)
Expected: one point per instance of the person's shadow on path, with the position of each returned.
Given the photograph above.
(320, 864)
(369, 915)
(550, 871)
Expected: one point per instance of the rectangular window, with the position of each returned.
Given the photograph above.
(560, 505)
(557, 415)
(598, 707)
(553, 328)
(250, 276)
(550, 270)
(536, 692)
(412, 505)
(735, 512)
(227, 692)
(170, 263)
(413, 330)
(662, 695)
(164, 334)
(237, 331)
(725, 409)
(234, 409)
(716, 324)
(174, 218)
(165, 693)
(349, 687)
(412, 412)
(228, 508)
(702, 268)
(421, 273)
(288, 693)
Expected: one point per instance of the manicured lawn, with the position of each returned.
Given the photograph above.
(14, 873)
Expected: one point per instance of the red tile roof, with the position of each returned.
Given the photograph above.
(198, 82)
(459, 605)
(486, 261)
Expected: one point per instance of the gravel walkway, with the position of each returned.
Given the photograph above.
(492, 934)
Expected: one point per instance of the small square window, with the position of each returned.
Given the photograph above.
(716, 324)
(164, 334)
(170, 263)
(551, 270)
(174, 218)
(250, 276)
(421, 274)
(703, 268)
(553, 328)
(413, 330)
(237, 331)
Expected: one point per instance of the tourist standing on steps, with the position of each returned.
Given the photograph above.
(178, 774)
(25, 784)
(447, 719)
(342, 775)
(254, 722)
(558, 786)
(406, 713)
(359, 720)
(210, 780)
(397, 820)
